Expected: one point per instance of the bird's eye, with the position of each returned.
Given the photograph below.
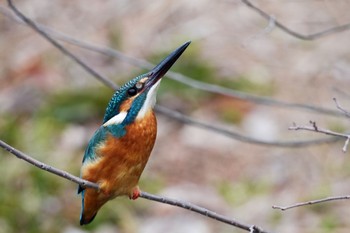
(132, 91)
(135, 89)
(139, 86)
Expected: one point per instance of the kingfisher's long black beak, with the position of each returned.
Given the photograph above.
(159, 71)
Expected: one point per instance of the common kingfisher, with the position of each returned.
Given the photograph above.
(119, 150)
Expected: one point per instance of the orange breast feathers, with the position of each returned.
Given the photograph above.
(120, 162)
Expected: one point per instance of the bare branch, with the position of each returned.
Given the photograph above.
(315, 128)
(345, 147)
(347, 113)
(327, 199)
(145, 195)
(284, 28)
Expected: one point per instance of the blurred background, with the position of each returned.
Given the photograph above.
(50, 107)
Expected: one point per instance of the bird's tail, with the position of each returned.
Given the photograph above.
(84, 219)
(90, 205)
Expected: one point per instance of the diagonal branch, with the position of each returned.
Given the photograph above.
(66, 52)
(293, 33)
(145, 195)
(340, 108)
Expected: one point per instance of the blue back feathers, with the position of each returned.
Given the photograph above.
(97, 139)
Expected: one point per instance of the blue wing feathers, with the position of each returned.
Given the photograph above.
(117, 131)
(98, 138)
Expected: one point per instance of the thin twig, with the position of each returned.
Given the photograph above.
(284, 28)
(177, 115)
(343, 110)
(315, 128)
(327, 199)
(212, 88)
(346, 144)
(145, 195)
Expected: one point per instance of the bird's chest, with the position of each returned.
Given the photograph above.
(136, 144)
(122, 160)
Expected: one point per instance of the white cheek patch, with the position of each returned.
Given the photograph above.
(117, 119)
(150, 100)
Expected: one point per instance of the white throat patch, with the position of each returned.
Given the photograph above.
(150, 101)
(117, 119)
(147, 106)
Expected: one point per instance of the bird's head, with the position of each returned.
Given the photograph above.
(138, 96)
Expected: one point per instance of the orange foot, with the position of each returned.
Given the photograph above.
(135, 193)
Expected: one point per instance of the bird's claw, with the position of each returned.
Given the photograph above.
(135, 193)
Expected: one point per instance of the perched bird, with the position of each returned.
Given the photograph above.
(119, 150)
